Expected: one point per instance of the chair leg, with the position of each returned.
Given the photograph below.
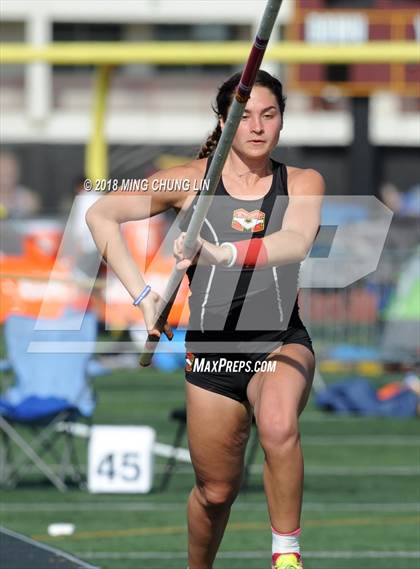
(44, 442)
(66, 459)
(31, 455)
(70, 463)
(250, 458)
(40, 444)
(5, 457)
(170, 464)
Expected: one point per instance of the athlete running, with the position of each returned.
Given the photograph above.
(244, 311)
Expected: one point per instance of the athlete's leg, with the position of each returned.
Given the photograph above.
(278, 398)
(218, 429)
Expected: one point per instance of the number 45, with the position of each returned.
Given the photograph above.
(129, 466)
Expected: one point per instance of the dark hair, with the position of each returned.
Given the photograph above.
(224, 100)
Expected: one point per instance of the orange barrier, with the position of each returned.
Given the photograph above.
(24, 278)
(28, 283)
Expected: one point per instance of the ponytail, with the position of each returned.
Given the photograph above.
(211, 143)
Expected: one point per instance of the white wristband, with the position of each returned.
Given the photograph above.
(234, 253)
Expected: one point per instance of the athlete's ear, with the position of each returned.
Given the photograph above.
(221, 122)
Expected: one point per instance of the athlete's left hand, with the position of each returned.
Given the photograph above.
(205, 254)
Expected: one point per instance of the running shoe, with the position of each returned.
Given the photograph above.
(287, 561)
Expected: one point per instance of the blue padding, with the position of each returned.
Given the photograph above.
(352, 395)
(350, 353)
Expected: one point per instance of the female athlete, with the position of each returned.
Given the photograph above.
(244, 313)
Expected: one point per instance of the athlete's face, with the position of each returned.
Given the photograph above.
(259, 129)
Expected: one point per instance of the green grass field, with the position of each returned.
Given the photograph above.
(361, 494)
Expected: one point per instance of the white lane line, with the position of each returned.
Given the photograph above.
(362, 440)
(354, 470)
(251, 554)
(183, 455)
(350, 470)
(314, 417)
(361, 506)
(176, 506)
(363, 554)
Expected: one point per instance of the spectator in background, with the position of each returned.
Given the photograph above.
(78, 243)
(405, 204)
(16, 201)
(410, 202)
(82, 201)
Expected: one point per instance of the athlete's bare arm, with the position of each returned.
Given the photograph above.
(106, 215)
(289, 245)
(301, 219)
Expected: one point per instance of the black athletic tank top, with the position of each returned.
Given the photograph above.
(237, 299)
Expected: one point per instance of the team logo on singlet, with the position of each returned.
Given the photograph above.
(189, 361)
(243, 220)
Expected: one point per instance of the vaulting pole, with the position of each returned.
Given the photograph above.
(215, 171)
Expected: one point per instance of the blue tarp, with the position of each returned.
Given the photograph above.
(357, 395)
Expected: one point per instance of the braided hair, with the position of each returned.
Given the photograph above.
(210, 145)
(224, 100)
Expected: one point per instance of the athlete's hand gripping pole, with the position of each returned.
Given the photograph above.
(215, 171)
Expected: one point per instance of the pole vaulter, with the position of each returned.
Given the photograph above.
(215, 171)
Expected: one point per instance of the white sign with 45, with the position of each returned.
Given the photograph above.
(120, 459)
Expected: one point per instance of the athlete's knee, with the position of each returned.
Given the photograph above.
(217, 495)
(278, 434)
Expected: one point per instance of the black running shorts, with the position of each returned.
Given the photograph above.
(230, 373)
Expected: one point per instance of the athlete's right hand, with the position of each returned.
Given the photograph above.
(184, 262)
(149, 307)
(205, 253)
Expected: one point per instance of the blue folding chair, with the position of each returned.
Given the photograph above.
(50, 391)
